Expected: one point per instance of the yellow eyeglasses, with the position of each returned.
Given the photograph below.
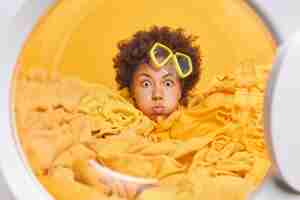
(161, 55)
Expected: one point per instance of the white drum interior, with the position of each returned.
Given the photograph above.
(281, 16)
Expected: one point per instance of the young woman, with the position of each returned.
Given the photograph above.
(159, 67)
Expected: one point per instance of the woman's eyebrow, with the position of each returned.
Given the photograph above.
(168, 75)
(144, 74)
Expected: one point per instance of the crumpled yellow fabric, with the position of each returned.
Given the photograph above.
(212, 149)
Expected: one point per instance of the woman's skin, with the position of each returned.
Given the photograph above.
(156, 91)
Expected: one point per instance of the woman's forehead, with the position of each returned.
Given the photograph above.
(155, 72)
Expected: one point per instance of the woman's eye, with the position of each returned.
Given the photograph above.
(169, 83)
(146, 84)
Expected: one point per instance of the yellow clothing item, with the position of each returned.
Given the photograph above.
(212, 149)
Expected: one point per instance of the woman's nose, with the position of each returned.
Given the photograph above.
(157, 93)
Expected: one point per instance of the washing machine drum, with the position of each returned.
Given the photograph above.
(78, 38)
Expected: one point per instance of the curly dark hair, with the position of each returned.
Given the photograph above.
(135, 51)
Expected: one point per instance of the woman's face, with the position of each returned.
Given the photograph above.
(156, 91)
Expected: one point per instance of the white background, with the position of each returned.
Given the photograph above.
(8, 9)
(283, 15)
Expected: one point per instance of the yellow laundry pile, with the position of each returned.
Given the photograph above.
(212, 149)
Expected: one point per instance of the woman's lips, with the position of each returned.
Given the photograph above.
(158, 109)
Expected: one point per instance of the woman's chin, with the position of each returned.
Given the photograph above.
(158, 117)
